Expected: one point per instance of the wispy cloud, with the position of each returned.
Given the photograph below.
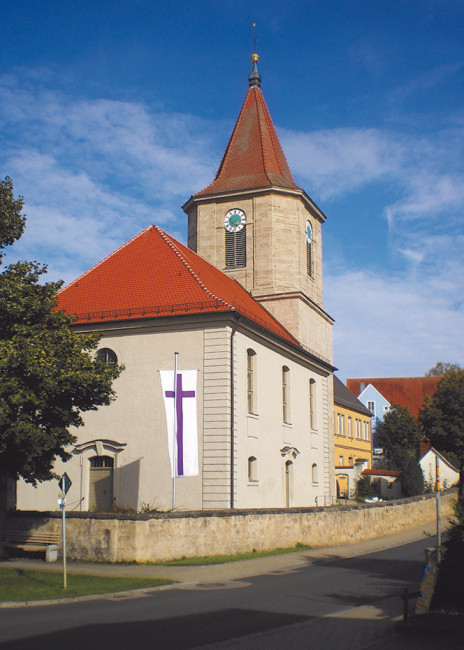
(389, 326)
(95, 172)
(409, 315)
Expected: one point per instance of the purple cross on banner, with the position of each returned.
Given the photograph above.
(180, 395)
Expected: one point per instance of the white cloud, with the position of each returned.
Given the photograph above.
(387, 326)
(95, 172)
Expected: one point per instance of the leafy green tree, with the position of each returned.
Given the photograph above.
(11, 220)
(412, 478)
(399, 435)
(441, 367)
(442, 419)
(48, 375)
(398, 429)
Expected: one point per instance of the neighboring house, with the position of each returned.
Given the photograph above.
(352, 439)
(386, 482)
(379, 393)
(226, 400)
(448, 474)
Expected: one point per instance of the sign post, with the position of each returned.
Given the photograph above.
(437, 488)
(64, 484)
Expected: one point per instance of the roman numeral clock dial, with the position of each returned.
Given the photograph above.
(234, 220)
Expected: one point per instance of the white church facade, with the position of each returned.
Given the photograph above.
(226, 398)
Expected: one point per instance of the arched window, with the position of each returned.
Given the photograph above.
(107, 356)
(252, 469)
(251, 381)
(314, 473)
(285, 394)
(312, 404)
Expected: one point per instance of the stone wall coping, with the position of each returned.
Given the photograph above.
(197, 514)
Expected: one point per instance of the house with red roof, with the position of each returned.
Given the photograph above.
(379, 393)
(226, 398)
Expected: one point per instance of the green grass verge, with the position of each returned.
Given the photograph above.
(25, 585)
(222, 559)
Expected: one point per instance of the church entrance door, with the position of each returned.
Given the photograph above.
(101, 484)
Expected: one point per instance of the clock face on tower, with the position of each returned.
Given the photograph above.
(234, 220)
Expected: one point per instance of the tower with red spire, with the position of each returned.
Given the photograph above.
(254, 223)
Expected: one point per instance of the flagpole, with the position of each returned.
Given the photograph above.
(174, 437)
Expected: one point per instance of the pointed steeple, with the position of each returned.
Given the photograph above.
(254, 157)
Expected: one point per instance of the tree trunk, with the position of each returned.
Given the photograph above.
(7, 498)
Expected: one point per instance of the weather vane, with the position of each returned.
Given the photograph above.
(254, 37)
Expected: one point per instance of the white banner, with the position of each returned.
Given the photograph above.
(180, 403)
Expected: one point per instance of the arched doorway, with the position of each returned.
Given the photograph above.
(101, 483)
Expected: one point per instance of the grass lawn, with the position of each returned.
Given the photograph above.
(26, 585)
(222, 559)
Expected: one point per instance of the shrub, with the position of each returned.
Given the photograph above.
(449, 593)
(364, 488)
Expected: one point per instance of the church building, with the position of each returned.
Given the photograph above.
(226, 398)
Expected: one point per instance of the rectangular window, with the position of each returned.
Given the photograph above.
(371, 407)
(235, 249)
(358, 429)
(341, 461)
(340, 424)
(350, 427)
(366, 431)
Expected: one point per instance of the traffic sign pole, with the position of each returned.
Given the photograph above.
(64, 485)
(62, 502)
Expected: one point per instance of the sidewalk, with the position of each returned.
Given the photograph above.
(369, 627)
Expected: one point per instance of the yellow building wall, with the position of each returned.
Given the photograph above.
(352, 437)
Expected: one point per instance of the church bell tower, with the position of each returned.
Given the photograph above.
(255, 224)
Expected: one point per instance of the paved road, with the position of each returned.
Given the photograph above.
(343, 603)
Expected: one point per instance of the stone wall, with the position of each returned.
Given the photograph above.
(163, 536)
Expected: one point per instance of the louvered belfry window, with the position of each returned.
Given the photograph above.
(236, 249)
(309, 259)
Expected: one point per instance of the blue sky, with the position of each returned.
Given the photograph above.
(113, 113)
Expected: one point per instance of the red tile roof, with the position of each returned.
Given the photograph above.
(381, 472)
(153, 275)
(254, 157)
(408, 392)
